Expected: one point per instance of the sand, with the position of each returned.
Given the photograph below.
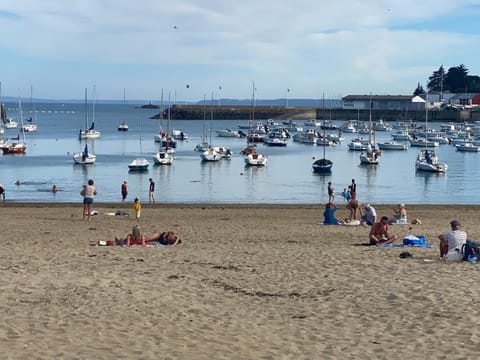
(249, 282)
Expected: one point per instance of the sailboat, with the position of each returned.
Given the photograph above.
(165, 155)
(7, 122)
(323, 166)
(371, 155)
(123, 126)
(252, 157)
(140, 164)
(427, 159)
(214, 153)
(31, 126)
(203, 145)
(15, 146)
(90, 132)
(85, 157)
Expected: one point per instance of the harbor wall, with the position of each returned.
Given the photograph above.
(229, 112)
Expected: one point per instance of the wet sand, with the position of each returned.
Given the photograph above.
(249, 282)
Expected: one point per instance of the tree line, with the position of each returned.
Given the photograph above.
(455, 80)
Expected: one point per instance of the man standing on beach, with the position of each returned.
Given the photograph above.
(151, 191)
(331, 193)
(124, 190)
(353, 190)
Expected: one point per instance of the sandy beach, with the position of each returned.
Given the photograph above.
(249, 282)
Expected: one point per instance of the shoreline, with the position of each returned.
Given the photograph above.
(249, 281)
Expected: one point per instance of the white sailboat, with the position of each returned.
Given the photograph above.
(6, 121)
(140, 164)
(252, 157)
(31, 125)
(371, 155)
(165, 155)
(214, 153)
(85, 157)
(203, 144)
(90, 132)
(427, 159)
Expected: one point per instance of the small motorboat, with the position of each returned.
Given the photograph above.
(427, 160)
(139, 165)
(123, 126)
(163, 158)
(467, 147)
(392, 145)
(255, 159)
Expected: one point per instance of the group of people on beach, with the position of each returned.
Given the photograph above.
(451, 242)
(135, 237)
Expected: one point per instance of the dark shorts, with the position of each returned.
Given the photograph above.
(88, 200)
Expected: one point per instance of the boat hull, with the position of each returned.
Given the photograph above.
(322, 166)
(139, 164)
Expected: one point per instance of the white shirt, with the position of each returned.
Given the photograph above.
(89, 191)
(455, 239)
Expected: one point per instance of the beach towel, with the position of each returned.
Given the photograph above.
(428, 246)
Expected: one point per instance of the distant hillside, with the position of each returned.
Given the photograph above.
(329, 103)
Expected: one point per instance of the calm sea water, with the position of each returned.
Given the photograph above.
(287, 178)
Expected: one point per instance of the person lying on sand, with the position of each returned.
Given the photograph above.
(159, 238)
(379, 233)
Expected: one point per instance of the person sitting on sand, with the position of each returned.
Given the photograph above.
(451, 242)
(379, 233)
(369, 216)
(355, 210)
(329, 215)
(400, 215)
(136, 237)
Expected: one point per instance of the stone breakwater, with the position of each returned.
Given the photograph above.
(235, 112)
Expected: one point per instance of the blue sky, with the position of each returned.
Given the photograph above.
(310, 47)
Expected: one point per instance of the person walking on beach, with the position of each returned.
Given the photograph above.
(331, 193)
(138, 208)
(451, 242)
(88, 192)
(353, 189)
(151, 191)
(124, 190)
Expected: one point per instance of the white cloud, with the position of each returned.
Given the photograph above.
(309, 47)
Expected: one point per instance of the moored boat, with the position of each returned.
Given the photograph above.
(123, 126)
(392, 145)
(467, 147)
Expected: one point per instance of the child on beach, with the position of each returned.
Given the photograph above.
(138, 208)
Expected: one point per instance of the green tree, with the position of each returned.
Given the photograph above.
(419, 90)
(473, 83)
(457, 79)
(436, 81)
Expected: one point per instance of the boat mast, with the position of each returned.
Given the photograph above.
(211, 121)
(324, 133)
(86, 111)
(21, 116)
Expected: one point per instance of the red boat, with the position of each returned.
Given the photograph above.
(14, 148)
